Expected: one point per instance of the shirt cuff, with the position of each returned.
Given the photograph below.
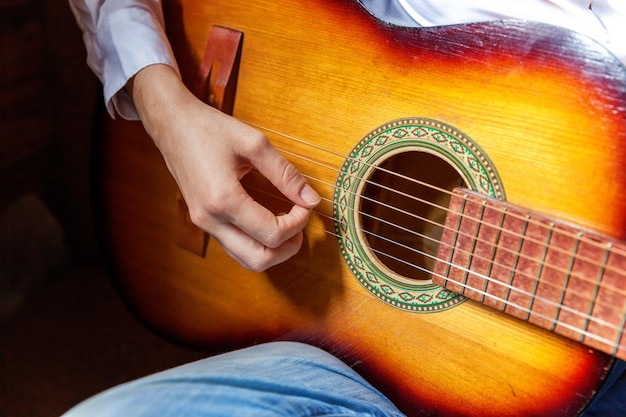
(136, 40)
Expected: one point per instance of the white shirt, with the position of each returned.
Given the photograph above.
(124, 36)
(602, 20)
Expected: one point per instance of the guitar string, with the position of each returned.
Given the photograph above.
(433, 187)
(436, 241)
(582, 238)
(506, 302)
(564, 252)
(517, 272)
(548, 283)
(445, 191)
(520, 255)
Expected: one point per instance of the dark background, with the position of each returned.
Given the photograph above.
(64, 333)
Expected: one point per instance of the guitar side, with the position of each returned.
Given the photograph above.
(555, 133)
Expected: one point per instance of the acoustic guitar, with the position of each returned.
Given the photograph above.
(468, 255)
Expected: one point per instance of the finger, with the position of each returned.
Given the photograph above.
(253, 255)
(261, 224)
(284, 176)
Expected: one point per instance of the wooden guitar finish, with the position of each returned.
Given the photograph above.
(548, 108)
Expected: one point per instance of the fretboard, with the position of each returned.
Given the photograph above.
(547, 272)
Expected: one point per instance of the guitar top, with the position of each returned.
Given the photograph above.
(521, 112)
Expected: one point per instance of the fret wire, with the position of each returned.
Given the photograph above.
(596, 289)
(449, 263)
(516, 262)
(495, 247)
(470, 258)
(540, 269)
(567, 277)
(479, 228)
(620, 333)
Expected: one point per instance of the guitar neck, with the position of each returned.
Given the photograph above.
(535, 268)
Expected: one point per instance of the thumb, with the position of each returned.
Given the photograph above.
(285, 177)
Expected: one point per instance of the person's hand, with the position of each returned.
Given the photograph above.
(208, 152)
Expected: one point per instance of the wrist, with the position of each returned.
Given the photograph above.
(157, 92)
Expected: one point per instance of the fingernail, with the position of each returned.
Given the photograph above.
(309, 195)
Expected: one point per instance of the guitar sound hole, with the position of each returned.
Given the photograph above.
(402, 211)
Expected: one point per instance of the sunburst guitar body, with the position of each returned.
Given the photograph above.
(385, 122)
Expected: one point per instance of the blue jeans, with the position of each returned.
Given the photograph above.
(610, 401)
(275, 379)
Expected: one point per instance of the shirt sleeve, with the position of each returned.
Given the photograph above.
(601, 20)
(122, 37)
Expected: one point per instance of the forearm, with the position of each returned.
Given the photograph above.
(158, 93)
(121, 38)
